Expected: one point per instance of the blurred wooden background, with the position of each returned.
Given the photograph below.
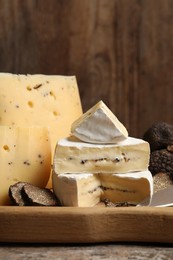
(120, 50)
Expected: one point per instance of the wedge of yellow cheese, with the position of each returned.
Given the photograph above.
(42, 100)
(25, 155)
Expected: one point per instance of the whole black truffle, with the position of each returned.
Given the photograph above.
(159, 136)
(161, 161)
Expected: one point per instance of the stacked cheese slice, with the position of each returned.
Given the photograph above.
(99, 161)
(35, 111)
(24, 156)
(40, 100)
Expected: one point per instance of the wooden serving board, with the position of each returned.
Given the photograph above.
(85, 225)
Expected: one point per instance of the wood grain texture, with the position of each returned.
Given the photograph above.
(112, 251)
(85, 225)
(121, 51)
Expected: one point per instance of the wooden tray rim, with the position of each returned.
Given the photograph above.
(85, 225)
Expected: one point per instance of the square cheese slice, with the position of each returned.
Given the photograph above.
(42, 100)
(73, 156)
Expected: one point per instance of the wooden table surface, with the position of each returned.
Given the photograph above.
(76, 252)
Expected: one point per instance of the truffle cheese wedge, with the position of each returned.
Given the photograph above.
(87, 190)
(25, 156)
(43, 100)
(99, 125)
(132, 187)
(77, 190)
(72, 156)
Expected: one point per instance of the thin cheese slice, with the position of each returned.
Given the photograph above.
(99, 125)
(25, 155)
(72, 156)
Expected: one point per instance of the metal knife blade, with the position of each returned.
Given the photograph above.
(162, 198)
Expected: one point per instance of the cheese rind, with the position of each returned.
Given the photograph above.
(43, 100)
(72, 156)
(87, 190)
(99, 125)
(25, 155)
(77, 190)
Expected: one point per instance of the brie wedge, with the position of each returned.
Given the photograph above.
(72, 156)
(87, 190)
(77, 190)
(99, 125)
(131, 187)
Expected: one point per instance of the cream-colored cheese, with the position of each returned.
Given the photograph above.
(43, 100)
(78, 190)
(25, 155)
(99, 125)
(131, 187)
(87, 190)
(72, 156)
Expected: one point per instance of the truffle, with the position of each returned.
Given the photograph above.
(110, 204)
(15, 194)
(26, 194)
(161, 181)
(161, 161)
(36, 196)
(159, 136)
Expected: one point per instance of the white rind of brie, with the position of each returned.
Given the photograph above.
(73, 156)
(99, 125)
(77, 190)
(87, 190)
